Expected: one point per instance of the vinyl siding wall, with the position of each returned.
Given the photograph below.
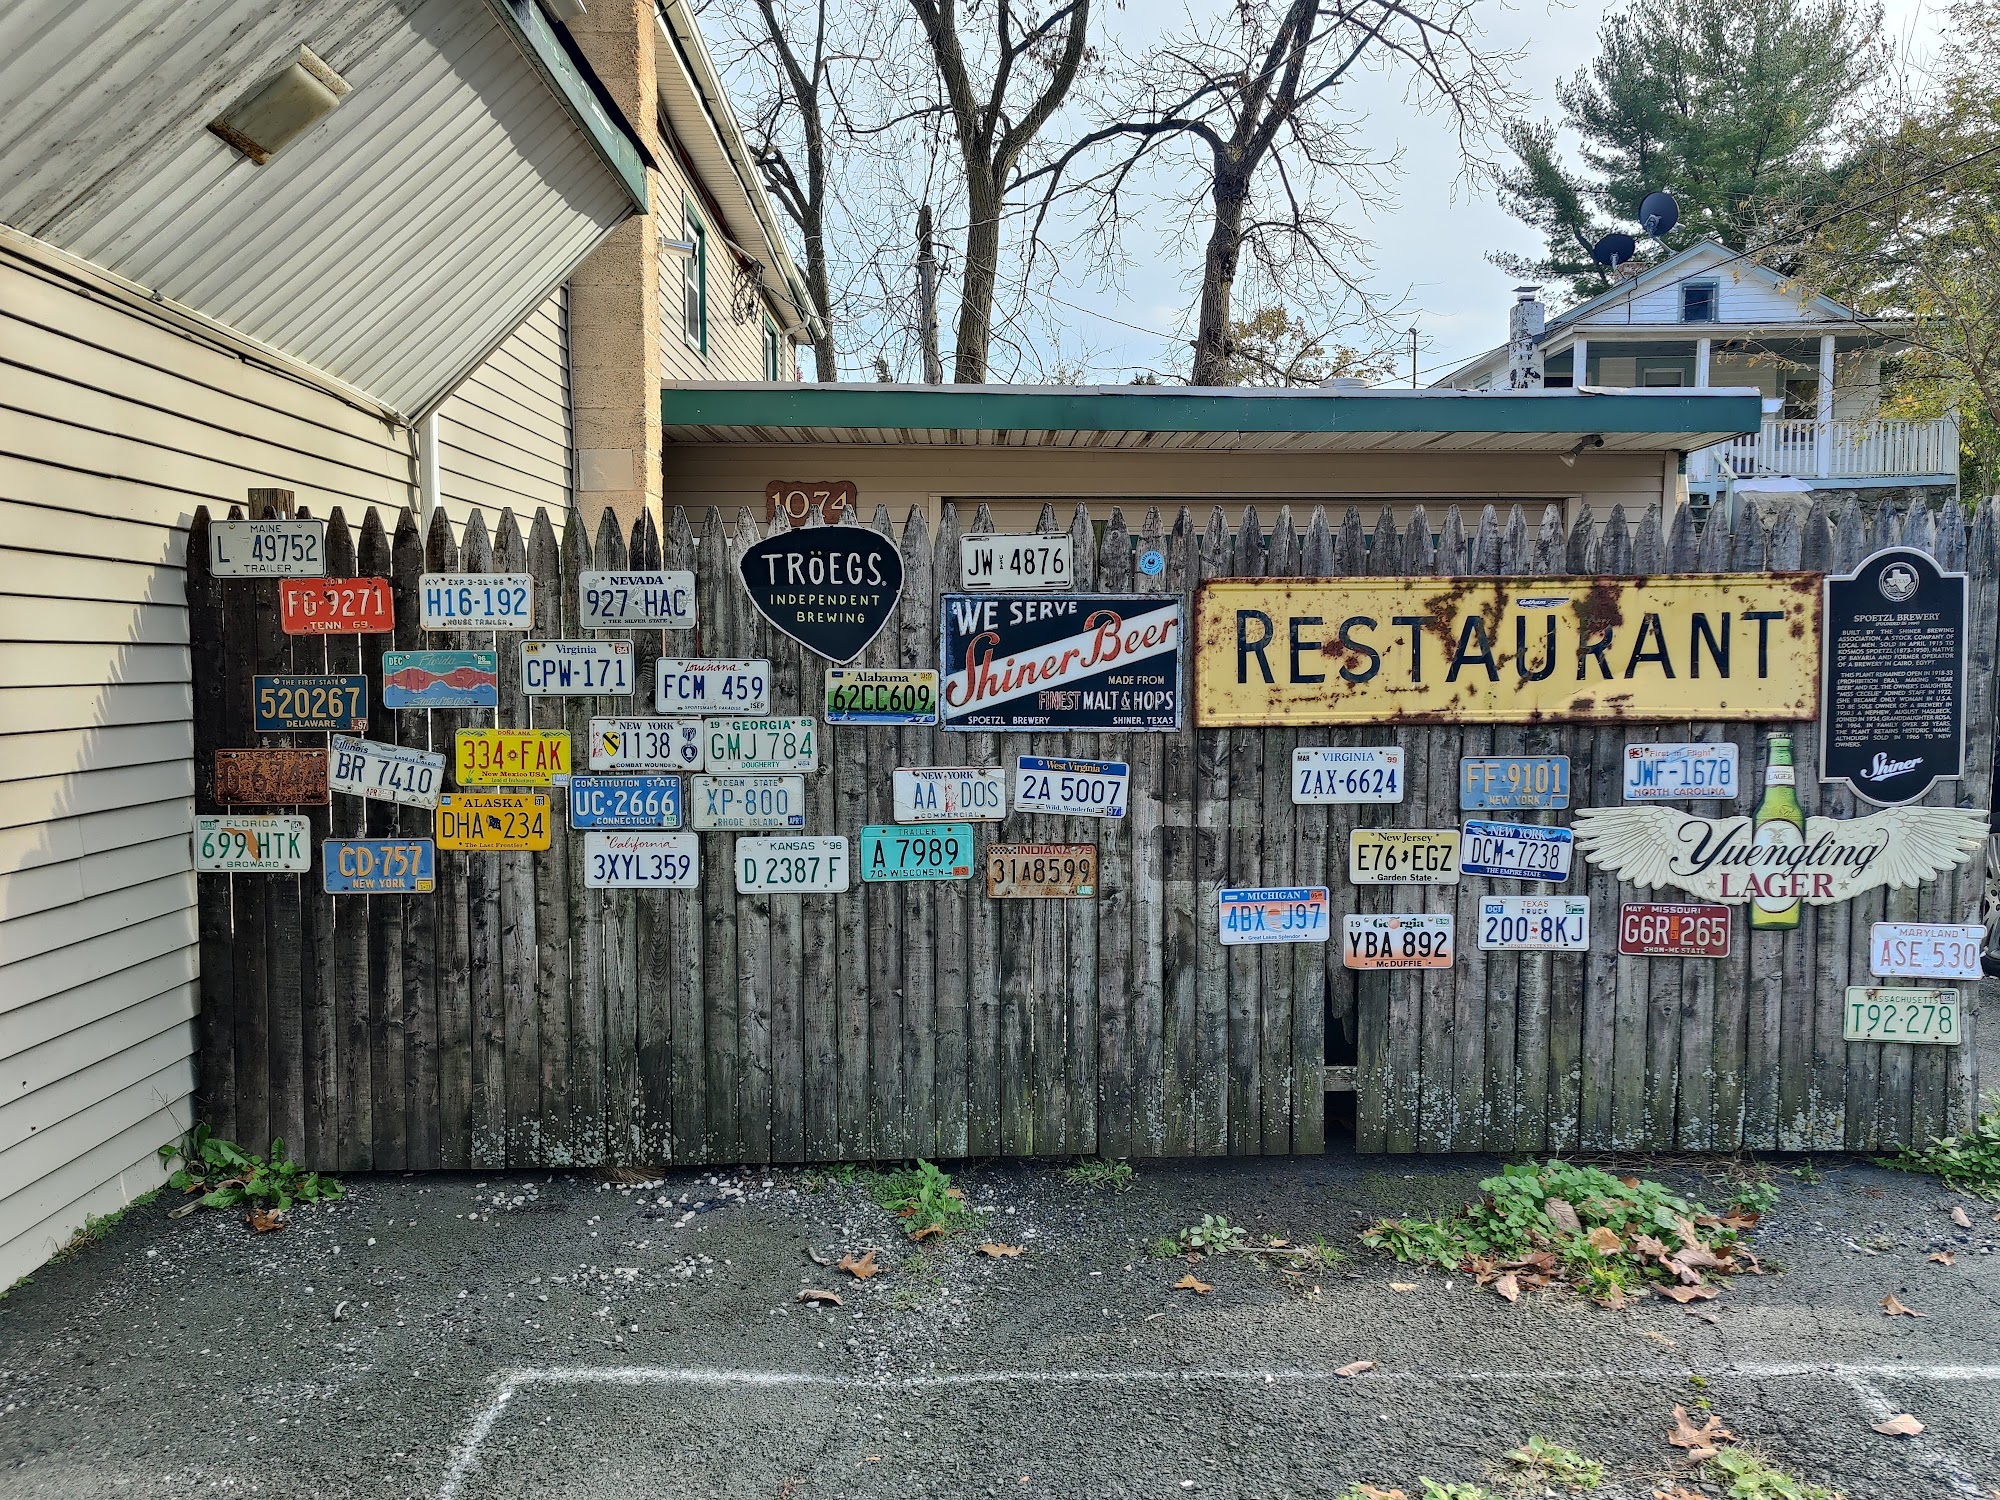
(505, 436)
(735, 349)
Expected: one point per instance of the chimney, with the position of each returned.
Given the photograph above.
(1524, 340)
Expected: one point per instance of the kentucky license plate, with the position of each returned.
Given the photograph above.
(512, 757)
(335, 606)
(629, 601)
(943, 794)
(1901, 1015)
(1275, 914)
(760, 744)
(271, 845)
(1561, 923)
(1926, 950)
(270, 778)
(381, 772)
(487, 821)
(723, 803)
(937, 851)
(1403, 856)
(614, 801)
(476, 601)
(267, 549)
(795, 865)
(1402, 940)
(712, 687)
(1516, 851)
(869, 695)
(1078, 788)
(641, 861)
(295, 701)
(576, 669)
(378, 867)
(440, 679)
(1673, 773)
(1513, 783)
(1673, 929)
(1347, 774)
(1055, 871)
(645, 744)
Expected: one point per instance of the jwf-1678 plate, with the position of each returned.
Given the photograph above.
(493, 820)
(1051, 870)
(760, 744)
(378, 867)
(576, 669)
(742, 802)
(641, 861)
(290, 702)
(270, 778)
(871, 695)
(933, 851)
(440, 679)
(1561, 923)
(628, 601)
(335, 606)
(624, 801)
(1673, 929)
(476, 601)
(1075, 788)
(804, 865)
(267, 549)
(712, 687)
(1516, 851)
(1673, 773)
(1347, 773)
(944, 794)
(1902, 1015)
(1403, 856)
(274, 844)
(1400, 940)
(1513, 783)
(512, 757)
(1926, 950)
(384, 773)
(1274, 914)
(645, 744)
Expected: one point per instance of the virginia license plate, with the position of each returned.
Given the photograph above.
(1561, 923)
(615, 801)
(576, 669)
(384, 773)
(267, 549)
(1057, 871)
(296, 701)
(632, 601)
(1275, 914)
(270, 844)
(935, 851)
(792, 865)
(1081, 788)
(1403, 940)
(493, 820)
(1901, 1015)
(1516, 851)
(378, 867)
(742, 802)
(1037, 560)
(641, 861)
(869, 695)
(1673, 773)
(1403, 856)
(712, 687)
(1513, 783)
(1673, 929)
(335, 606)
(476, 601)
(760, 744)
(645, 744)
(440, 679)
(512, 757)
(1926, 950)
(944, 794)
(1341, 774)
(270, 778)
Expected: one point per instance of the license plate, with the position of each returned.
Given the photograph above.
(760, 744)
(476, 601)
(815, 865)
(440, 679)
(1403, 856)
(1058, 871)
(1561, 923)
(1513, 783)
(493, 820)
(1366, 773)
(937, 851)
(270, 844)
(1672, 773)
(945, 794)
(292, 701)
(511, 757)
(712, 687)
(1516, 851)
(641, 861)
(645, 744)
(1673, 929)
(576, 669)
(270, 778)
(1901, 1015)
(384, 773)
(335, 606)
(628, 601)
(1403, 940)
(1276, 914)
(866, 695)
(1083, 788)
(267, 549)
(378, 867)
(624, 801)
(742, 802)
(1038, 560)
(1926, 950)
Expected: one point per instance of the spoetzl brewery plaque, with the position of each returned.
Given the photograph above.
(1061, 661)
(1894, 690)
(830, 588)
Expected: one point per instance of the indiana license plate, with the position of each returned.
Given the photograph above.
(1516, 851)
(384, 773)
(1078, 788)
(511, 757)
(271, 844)
(747, 801)
(811, 866)
(1673, 929)
(661, 600)
(1513, 783)
(440, 679)
(760, 744)
(378, 867)
(335, 606)
(1926, 950)
(270, 778)
(487, 821)
(267, 549)
(1402, 940)
(1403, 856)
(869, 695)
(576, 669)
(1055, 871)
(1036, 560)
(618, 801)
(641, 861)
(1275, 914)
(1347, 774)
(712, 687)
(1928, 1016)
(476, 601)
(294, 701)
(945, 794)
(1561, 923)
(645, 744)
(1680, 772)
(935, 851)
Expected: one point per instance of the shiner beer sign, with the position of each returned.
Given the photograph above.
(1061, 661)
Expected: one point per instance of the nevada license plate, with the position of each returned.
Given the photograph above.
(274, 844)
(938, 851)
(943, 794)
(1401, 940)
(1360, 773)
(493, 820)
(1673, 929)
(1079, 788)
(1275, 914)
(641, 861)
(292, 701)
(1926, 950)
(868, 695)
(576, 669)
(335, 606)
(760, 744)
(1403, 856)
(742, 802)
(1901, 1015)
(384, 773)
(1037, 560)
(440, 679)
(1673, 773)
(630, 601)
(645, 744)
(808, 865)
(1513, 783)
(512, 757)
(1516, 851)
(378, 867)
(624, 801)
(270, 778)
(1056, 871)
(267, 549)
(1533, 922)
(712, 687)
(476, 601)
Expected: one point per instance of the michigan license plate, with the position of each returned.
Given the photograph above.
(267, 549)
(576, 669)
(1560, 923)
(378, 867)
(335, 606)
(645, 744)
(1513, 783)
(1928, 1016)
(1275, 914)
(632, 601)
(712, 687)
(615, 801)
(493, 820)
(1078, 788)
(384, 773)
(1674, 773)
(641, 861)
(1516, 851)
(1054, 871)
(792, 865)
(270, 845)
(760, 744)
(944, 794)
(295, 701)
(739, 802)
(1403, 856)
(512, 757)
(869, 695)
(270, 778)
(1341, 775)
(1673, 929)
(934, 851)
(1403, 940)
(440, 679)
(1926, 950)
(476, 601)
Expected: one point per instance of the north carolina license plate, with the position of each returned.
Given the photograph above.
(760, 744)
(1674, 773)
(476, 601)
(1901, 1015)
(1275, 914)
(944, 794)
(616, 801)
(1037, 560)
(1513, 783)
(273, 844)
(712, 687)
(1404, 940)
(1516, 851)
(935, 851)
(1926, 950)
(630, 601)
(1338, 774)
(1561, 923)
(576, 669)
(641, 861)
(384, 773)
(267, 549)
(293, 701)
(378, 867)
(1056, 871)
(493, 820)
(512, 757)
(1673, 929)
(440, 679)
(1403, 856)
(270, 778)
(798, 865)
(870, 695)
(1080, 788)
(335, 606)
(742, 802)
(645, 744)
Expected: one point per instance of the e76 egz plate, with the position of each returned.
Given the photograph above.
(1403, 856)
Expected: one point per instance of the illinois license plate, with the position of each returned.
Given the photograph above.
(267, 549)
(1402, 940)
(1036, 560)
(476, 601)
(935, 851)
(630, 601)
(1901, 1015)
(384, 773)
(645, 744)
(1275, 914)
(270, 778)
(1926, 950)
(1561, 923)
(1673, 773)
(493, 820)
(641, 861)
(1339, 774)
(378, 867)
(1673, 929)
(741, 802)
(943, 794)
(869, 695)
(792, 865)
(1082, 788)
(335, 606)
(512, 757)
(760, 744)
(712, 687)
(1057, 871)
(576, 669)
(268, 844)
(440, 679)
(295, 701)
(1517, 851)
(615, 801)
(1403, 856)
(1513, 783)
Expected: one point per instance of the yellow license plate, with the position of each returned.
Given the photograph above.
(493, 820)
(512, 757)
(1403, 856)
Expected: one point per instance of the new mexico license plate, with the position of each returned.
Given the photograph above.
(512, 757)
(476, 601)
(1403, 856)
(624, 601)
(1077, 788)
(869, 695)
(743, 802)
(384, 773)
(645, 744)
(1561, 923)
(267, 549)
(641, 861)
(936, 851)
(1926, 950)
(295, 701)
(1672, 773)
(270, 778)
(792, 865)
(1673, 929)
(1513, 783)
(440, 679)
(1275, 914)
(335, 606)
(1516, 851)
(1901, 1015)
(943, 794)
(760, 744)
(276, 844)
(616, 801)
(493, 820)
(378, 867)
(1347, 774)
(1404, 940)
(576, 669)
(712, 687)
(1057, 871)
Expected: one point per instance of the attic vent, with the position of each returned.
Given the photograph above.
(281, 108)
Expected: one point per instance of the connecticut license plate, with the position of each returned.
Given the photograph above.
(1347, 774)
(1513, 783)
(512, 757)
(295, 701)
(936, 851)
(1058, 871)
(944, 794)
(493, 820)
(1516, 851)
(476, 601)
(1075, 788)
(440, 679)
(615, 801)
(630, 601)
(268, 845)
(1402, 940)
(384, 773)
(712, 687)
(738, 802)
(1926, 950)
(1901, 1015)
(1275, 914)
(1674, 773)
(1673, 929)
(645, 744)
(641, 861)
(576, 669)
(335, 606)
(1561, 923)
(792, 865)
(1403, 856)
(267, 549)
(870, 695)
(378, 867)
(761, 744)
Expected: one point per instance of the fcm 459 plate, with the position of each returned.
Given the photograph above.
(712, 687)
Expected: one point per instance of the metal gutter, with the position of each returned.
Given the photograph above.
(613, 141)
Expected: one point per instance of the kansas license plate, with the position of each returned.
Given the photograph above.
(1399, 940)
(712, 687)
(945, 794)
(1056, 871)
(1561, 923)
(792, 865)
(1275, 914)
(476, 601)
(270, 778)
(384, 773)
(1340, 774)
(868, 695)
(1036, 560)
(1901, 1015)
(576, 669)
(935, 851)
(641, 861)
(1513, 783)
(617, 801)
(378, 867)
(1926, 950)
(1403, 856)
(511, 757)
(760, 744)
(295, 701)
(645, 744)
(1673, 773)
(1673, 929)
(1516, 851)
(1080, 788)
(266, 844)
(335, 606)
(440, 679)
(743, 802)
(493, 820)
(633, 601)
(267, 549)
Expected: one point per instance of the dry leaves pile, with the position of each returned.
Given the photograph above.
(1701, 1442)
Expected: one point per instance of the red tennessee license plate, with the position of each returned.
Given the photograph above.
(1673, 929)
(335, 606)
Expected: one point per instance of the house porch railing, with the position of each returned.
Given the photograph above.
(1875, 448)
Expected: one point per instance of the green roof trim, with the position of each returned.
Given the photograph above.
(524, 21)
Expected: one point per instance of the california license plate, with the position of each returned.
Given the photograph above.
(378, 867)
(738, 802)
(944, 794)
(1561, 923)
(1513, 783)
(384, 773)
(1402, 940)
(1054, 871)
(335, 606)
(1403, 856)
(267, 549)
(760, 744)
(809, 866)
(1344, 774)
(258, 845)
(476, 601)
(712, 687)
(661, 600)
(1926, 950)
(1275, 914)
(512, 757)
(1078, 788)
(934, 851)
(1901, 1015)
(1673, 929)
(1035, 560)
(1680, 772)
(270, 778)
(291, 702)
(870, 695)
(641, 861)
(1516, 851)
(645, 744)
(440, 679)
(624, 801)
(576, 669)
(487, 821)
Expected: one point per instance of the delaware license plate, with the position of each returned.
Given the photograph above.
(268, 845)
(631, 601)
(937, 851)
(378, 867)
(1403, 856)
(1275, 914)
(1513, 783)
(384, 773)
(712, 687)
(943, 794)
(1037, 560)
(1362, 773)
(512, 757)
(1080, 788)
(1406, 940)
(335, 606)
(624, 801)
(1561, 923)
(1673, 929)
(293, 701)
(792, 865)
(440, 679)
(576, 669)
(267, 549)
(867, 695)
(1673, 773)
(1901, 1015)
(645, 744)
(760, 744)
(641, 861)
(1516, 851)
(1926, 950)
(742, 802)
(493, 820)
(476, 601)
(270, 778)
(1056, 871)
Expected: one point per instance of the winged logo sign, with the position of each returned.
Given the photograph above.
(1721, 859)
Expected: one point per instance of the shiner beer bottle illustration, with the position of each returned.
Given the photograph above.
(1779, 824)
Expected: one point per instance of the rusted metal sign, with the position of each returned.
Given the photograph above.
(1673, 929)
(804, 502)
(1053, 870)
(335, 606)
(493, 820)
(270, 778)
(1507, 650)
(511, 757)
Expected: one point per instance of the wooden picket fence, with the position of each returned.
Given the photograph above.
(515, 1018)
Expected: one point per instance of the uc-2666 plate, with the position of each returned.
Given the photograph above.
(624, 801)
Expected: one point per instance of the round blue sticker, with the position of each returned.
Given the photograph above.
(1151, 563)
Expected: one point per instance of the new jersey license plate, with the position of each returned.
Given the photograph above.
(384, 773)
(1077, 788)
(440, 679)
(810, 866)
(378, 867)
(932, 851)
(945, 794)
(739, 802)
(661, 600)
(576, 669)
(295, 701)
(1513, 783)
(760, 744)
(1055, 871)
(1400, 940)
(1926, 950)
(267, 549)
(1347, 774)
(476, 601)
(511, 757)
(1561, 923)
(488, 821)
(335, 606)
(641, 861)
(1928, 1016)
(268, 845)
(1679, 772)
(1673, 929)
(1274, 914)
(712, 687)
(871, 695)
(1403, 856)
(645, 744)
(624, 801)
(1516, 851)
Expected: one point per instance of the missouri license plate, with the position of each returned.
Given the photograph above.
(1928, 1016)
(1056, 871)
(1035, 560)
(930, 851)
(661, 600)
(1403, 856)
(335, 606)
(624, 801)
(270, 844)
(712, 687)
(440, 679)
(1403, 940)
(641, 861)
(267, 549)
(1516, 851)
(384, 773)
(946, 794)
(1680, 772)
(476, 601)
(760, 744)
(645, 744)
(1513, 783)
(1340, 774)
(1561, 923)
(809, 866)
(488, 821)
(270, 778)
(294, 701)
(512, 757)
(1926, 950)
(576, 669)
(1274, 914)
(869, 695)
(378, 867)
(1673, 929)
(1079, 788)
(738, 802)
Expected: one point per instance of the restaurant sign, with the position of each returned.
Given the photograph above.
(1061, 661)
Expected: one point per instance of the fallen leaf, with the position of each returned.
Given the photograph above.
(264, 1220)
(1894, 1307)
(954, 1193)
(1630, 1182)
(860, 1269)
(1900, 1425)
(1942, 1257)
(813, 1294)
(1370, 1492)
(1359, 1367)
(1677, 1492)
(1714, 1318)
(1686, 1294)
(1605, 1241)
(929, 1231)
(1703, 1441)
(1508, 1286)
(1960, 1217)
(1189, 1284)
(1402, 1286)
(1562, 1216)
(1646, 1245)
(997, 1250)
(1740, 1218)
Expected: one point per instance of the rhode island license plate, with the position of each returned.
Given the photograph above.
(933, 851)
(1403, 856)
(1901, 1015)
(1561, 923)
(747, 801)
(1396, 940)
(1516, 851)
(1274, 914)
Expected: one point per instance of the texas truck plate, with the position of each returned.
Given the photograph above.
(1673, 773)
(1673, 929)
(641, 861)
(1275, 914)
(712, 687)
(944, 794)
(645, 744)
(1077, 788)
(1901, 1015)
(740, 802)
(440, 679)
(267, 549)
(1400, 940)
(378, 867)
(1347, 774)
(935, 851)
(297, 701)
(1926, 950)
(512, 757)
(872, 695)
(1037, 560)
(335, 606)
(1513, 783)
(624, 801)
(476, 601)
(1403, 856)
(760, 744)
(272, 844)
(1561, 923)
(271, 778)
(576, 669)
(810, 866)
(1054, 871)
(493, 820)
(1516, 851)
(381, 772)
(632, 601)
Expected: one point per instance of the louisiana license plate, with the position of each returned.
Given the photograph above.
(810, 866)
(945, 794)
(712, 687)
(335, 606)
(378, 867)
(619, 801)
(1402, 940)
(1926, 950)
(384, 773)
(645, 744)
(1275, 914)
(1673, 929)
(935, 851)
(1347, 774)
(267, 549)
(1513, 783)
(1516, 851)
(632, 601)
(641, 861)
(1679, 772)
(270, 778)
(870, 695)
(293, 701)
(1929, 1016)
(440, 679)
(1561, 923)
(739, 802)
(1077, 788)
(1403, 856)
(259, 845)
(576, 669)
(1053, 871)
(488, 821)
(760, 744)
(512, 757)
(476, 601)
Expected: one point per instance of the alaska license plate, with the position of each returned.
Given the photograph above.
(378, 867)
(271, 778)
(381, 772)
(576, 669)
(945, 794)
(489, 821)
(1926, 950)
(294, 701)
(624, 801)
(1347, 774)
(272, 844)
(641, 861)
(1400, 940)
(1055, 871)
(267, 549)
(335, 606)
(810, 866)
(1513, 783)
(661, 600)
(871, 695)
(476, 601)
(645, 744)
(932, 851)
(440, 679)
(1679, 772)
(1560, 923)
(512, 757)
(1036, 560)
(1516, 851)
(1928, 1016)
(1673, 929)
(1275, 914)
(1074, 788)
(712, 687)
(739, 802)
(1403, 856)
(760, 744)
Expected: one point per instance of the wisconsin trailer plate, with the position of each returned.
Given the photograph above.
(267, 549)
(1274, 914)
(1925, 950)
(1055, 871)
(993, 562)
(869, 695)
(760, 744)
(635, 601)
(493, 820)
(292, 702)
(645, 744)
(270, 844)
(1672, 773)
(511, 757)
(440, 679)
(271, 778)
(641, 861)
(712, 687)
(378, 867)
(1513, 783)
(738, 803)
(1516, 851)
(1073, 788)
(576, 669)
(620, 801)
(1398, 940)
(384, 773)
(1403, 856)
(335, 606)
(1560, 923)
(1673, 929)
(936, 851)
(800, 866)
(945, 794)
(476, 601)
(1928, 1016)
(1347, 774)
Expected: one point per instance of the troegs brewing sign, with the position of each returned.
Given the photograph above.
(830, 588)
(1061, 661)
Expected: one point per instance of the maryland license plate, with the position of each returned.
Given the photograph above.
(267, 549)
(1275, 914)
(1929, 1016)
(440, 679)
(624, 801)
(869, 695)
(1076, 788)
(493, 820)
(760, 744)
(1673, 929)
(267, 845)
(933, 851)
(712, 687)
(740, 802)
(1674, 773)
(1926, 950)
(576, 669)
(384, 773)
(378, 867)
(1403, 940)
(641, 861)
(945, 794)
(1560, 923)
(806, 866)
(511, 757)
(1347, 774)
(1403, 856)
(476, 601)
(270, 778)
(1055, 871)
(1513, 783)
(1516, 851)
(335, 606)
(645, 744)
(289, 702)
(630, 601)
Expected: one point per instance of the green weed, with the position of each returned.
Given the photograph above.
(1970, 1162)
(924, 1199)
(1213, 1235)
(1431, 1489)
(1754, 1196)
(1807, 1173)
(1745, 1476)
(1166, 1247)
(97, 1228)
(1095, 1172)
(227, 1176)
(1545, 1463)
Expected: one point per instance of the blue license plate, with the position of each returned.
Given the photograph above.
(1513, 783)
(309, 702)
(1515, 851)
(379, 867)
(440, 679)
(597, 801)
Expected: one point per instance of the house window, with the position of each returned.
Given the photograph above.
(773, 370)
(694, 284)
(1663, 377)
(1802, 399)
(1698, 302)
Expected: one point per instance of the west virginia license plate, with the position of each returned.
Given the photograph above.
(760, 744)
(1929, 1016)
(712, 687)
(384, 773)
(645, 744)
(378, 867)
(576, 669)
(1403, 856)
(741, 802)
(269, 845)
(487, 821)
(870, 695)
(943, 794)
(801, 866)
(931, 851)
(641, 861)
(1560, 923)
(335, 606)
(1513, 783)
(1516, 851)
(1403, 940)
(512, 757)
(621, 801)
(1275, 914)
(1077, 788)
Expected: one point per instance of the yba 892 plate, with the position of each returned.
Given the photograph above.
(493, 820)
(1398, 940)
(1274, 914)
(1403, 856)
(931, 851)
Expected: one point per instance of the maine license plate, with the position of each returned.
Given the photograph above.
(1926, 950)
(1403, 856)
(1673, 929)
(1081, 788)
(269, 844)
(1901, 1015)
(792, 865)
(760, 744)
(1038, 560)
(512, 757)
(267, 549)
(476, 601)
(945, 794)
(384, 773)
(617, 801)
(1673, 773)
(712, 687)
(868, 695)
(1558, 922)
(1513, 783)
(735, 803)
(1401, 940)
(1275, 914)
(633, 601)
(937, 851)
(1516, 851)
(493, 820)
(292, 701)
(645, 744)
(1360, 773)
(641, 861)
(270, 778)
(440, 679)
(335, 606)
(576, 669)
(378, 867)
(1057, 871)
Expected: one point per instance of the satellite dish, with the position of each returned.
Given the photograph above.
(1614, 250)
(1659, 214)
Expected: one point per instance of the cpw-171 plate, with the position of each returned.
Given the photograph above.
(576, 669)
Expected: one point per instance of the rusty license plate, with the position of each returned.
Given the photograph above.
(271, 778)
(1059, 871)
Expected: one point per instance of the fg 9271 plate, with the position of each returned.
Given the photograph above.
(335, 606)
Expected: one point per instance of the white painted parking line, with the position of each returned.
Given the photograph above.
(1949, 1469)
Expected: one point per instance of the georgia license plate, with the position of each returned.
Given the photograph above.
(760, 744)
(1516, 851)
(1037, 560)
(384, 773)
(335, 606)
(1403, 856)
(1673, 929)
(267, 549)
(1399, 940)
(270, 778)
(1079, 788)
(739, 802)
(944, 794)
(378, 867)
(616, 801)
(476, 601)
(1275, 914)
(1926, 950)
(294, 701)
(645, 744)
(1901, 1015)
(440, 679)
(1347, 774)
(641, 861)
(815, 865)
(493, 820)
(1513, 783)
(870, 695)
(937, 851)
(576, 669)
(512, 757)
(1055, 871)
(1533, 922)
(712, 687)
(1673, 773)
(274, 844)
(631, 601)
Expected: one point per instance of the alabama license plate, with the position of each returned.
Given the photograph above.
(1403, 856)
(1347, 774)
(1035, 560)
(633, 601)
(738, 802)
(1078, 788)
(792, 865)
(712, 687)
(269, 844)
(645, 744)
(267, 549)
(440, 679)
(1400, 940)
(1561, 923)
(335, 606)
(1055, 871)
(270, 778)
(294, 701)
(512, 757)
(945, 794)
(476, 601)
(1673, 929)
(1513, 783)
(935, 851)
(1516, 851)
(378, 867)
(624, 801)
(576, 669)
(870, 695)
(641, 861)
(384, 773)
(1901, 1015)
(487, 821)
(1275, 914)
(1926, 950)
(760, 744)
(1674, 773)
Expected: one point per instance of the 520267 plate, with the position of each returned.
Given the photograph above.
(289, 702)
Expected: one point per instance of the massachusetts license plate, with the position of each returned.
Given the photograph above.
(270, 778)
(1516, 851)
(384, 773)
(1561, 923)
(868, 695)
(295, 701)
(712, 687)
(476, 601)
(1361, 773)
(645, 744)
(440, 679)
(1275, 914)
(267, 549)
(1058, 871)
(1926, 950)
(1403, 856)
(627, 601)
(760, 744)
(493, 820)
(742, 802)
(1673, 929)
(378, 867)
(1673, 773)
(1901, 1015)
(792, 865)
(1513, 783)
(512, 757)
(1402, 940)
(576, 669)
(271, 844)
(335, 606)
(944, 794)
(936, 851)
(620, 801)
(1038, 560)
(641, 861)
(1081, 788)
